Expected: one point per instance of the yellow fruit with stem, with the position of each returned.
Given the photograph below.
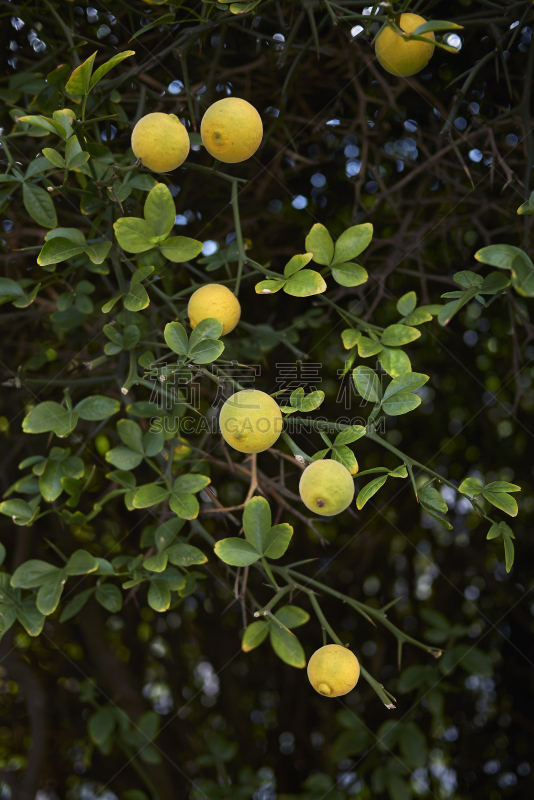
(333, 670)
(214, 300)
(160, 141)
(231, 130)
(250, 421)
(399, 56)
(326, 487)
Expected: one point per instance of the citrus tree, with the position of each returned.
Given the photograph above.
(236, 405)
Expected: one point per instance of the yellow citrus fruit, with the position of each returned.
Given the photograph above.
(333, 670)
(231, 130)
(401, 57)
(326, 487)
(160, 141)
(214, 300)
(250, 421)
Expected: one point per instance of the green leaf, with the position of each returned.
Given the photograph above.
(349, 274)
(190, 483)
(305, 283)
(257, 522)
(2, 554)
(394, 361)
(185, 555)
(292, 616)
(131, 434)
(367, 384)
(450, 309)
(418, 317)
(368, 347)
(412, 678)
(494, 283)
(19, 510)
(352, 242)
(80, 80)
(277, 540)
(398, 335)
(43, 122)
(431, 498)
(254, 635)
(398, 789)
(50, 592)
(180, 249)
(31, 574)
(471, 486)
(50, 484)
(270, 286)
(297, 263)
(101, 725)
(103, 69)
(502, 486)
(236, 552)
(401, 403)
(500, 255)
(150, 495)
(109, 596)
(39, 205)
(305, 403)
(469, 658)
(346, 457)
(165, 534)
(57, 250)
(156, 563)
(98, 251)
(97, 407)
(406, 382)
(176, 338)
(123, 458)
(206, 351)
(501, 500)
(437, 25)
(29, 616)
(133, 234)
(136, 298)
(163, 20)
(209, 328)
(508, 551)
(160, 211)
(349, 338)
(81, 563)
(350, 435)
(320, 244)
(287, 646)
(407, 304)
(369, 490)
(75, 605)
(184, 505)
(159, 595)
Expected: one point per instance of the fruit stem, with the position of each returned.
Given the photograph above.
(239, 237)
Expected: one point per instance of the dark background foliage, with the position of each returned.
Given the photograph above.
(440, 174)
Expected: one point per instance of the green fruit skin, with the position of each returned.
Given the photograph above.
(102, 444)
(326, 487)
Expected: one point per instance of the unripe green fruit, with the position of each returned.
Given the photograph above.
(250, 421)
(102, 444)
(333, 670)
(326, 487)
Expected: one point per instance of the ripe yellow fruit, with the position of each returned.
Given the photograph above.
(231, 130)
(401, 57)
(214, 300)
(250, 421)
(326, 487)
(333, 670)
(160, 141)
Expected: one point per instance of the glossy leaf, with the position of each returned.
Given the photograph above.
(352, 242)
(320, 244)
(236, 552)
